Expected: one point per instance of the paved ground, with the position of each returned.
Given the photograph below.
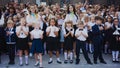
(82, 64)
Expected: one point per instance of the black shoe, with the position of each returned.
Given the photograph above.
(116, 61)
(103, 62)
(59, 62)
(113, 61)
(90, 63)
(66, 61)
(71, 61)
(95, 62)
(77, 61)
(50, 62)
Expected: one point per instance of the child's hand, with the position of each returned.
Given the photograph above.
(8, 33)
(101, 28)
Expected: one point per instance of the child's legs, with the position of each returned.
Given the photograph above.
(11, 52)
(50, 54)
(57, 54)
(77, 49)
(84, 51)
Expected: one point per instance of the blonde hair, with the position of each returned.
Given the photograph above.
(10, 22)
(68, 22)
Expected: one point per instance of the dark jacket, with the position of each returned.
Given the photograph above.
(11, 39)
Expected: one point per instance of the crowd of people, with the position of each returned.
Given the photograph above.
(29, 29)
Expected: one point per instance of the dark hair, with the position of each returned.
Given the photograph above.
(56, 24)
(98, 18)
(74, 10)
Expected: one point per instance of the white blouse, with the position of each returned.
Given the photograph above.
(81, 37)
(22, 34)
(2, 20)
(36, 33)
(52, 29)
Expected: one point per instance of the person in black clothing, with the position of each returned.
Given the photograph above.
(68, 43)
(115, 40)
(11, 41)
(97, 31)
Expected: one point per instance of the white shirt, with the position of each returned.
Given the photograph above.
(33, 19)
(2, 20)
(52, 29)
(36, 33)
(22, 34)
(69, 17)
(81, 37)
(108, 24)
(60, 21)
(69, 29)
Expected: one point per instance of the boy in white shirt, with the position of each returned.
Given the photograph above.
(81, 35)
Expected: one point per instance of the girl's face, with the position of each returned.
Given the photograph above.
(68, 25)
(32, 9)
(109, 19)
(70, 8)
(52, 23)
(22, 22)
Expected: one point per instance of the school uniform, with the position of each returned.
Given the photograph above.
(114, 43)
(97, 42)
(108, 32)
(68, 41)
(22, 42)
(80, 43)
(52, 39)
(37, 46)
(31, 19)
(11, 43)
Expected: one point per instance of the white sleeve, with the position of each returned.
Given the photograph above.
(2, 20)
(64, 31)
(57, 29)
(17, 29)
(85, 32)
(76, 32)
(27, 29)
(47, 30)
(28, 19)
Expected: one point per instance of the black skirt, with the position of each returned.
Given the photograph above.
(52, 44)
(22, 44)
(68, 44)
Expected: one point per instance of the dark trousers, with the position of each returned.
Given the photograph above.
(0, 53)
(97, 51)
(11, 50)
(81, 44)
